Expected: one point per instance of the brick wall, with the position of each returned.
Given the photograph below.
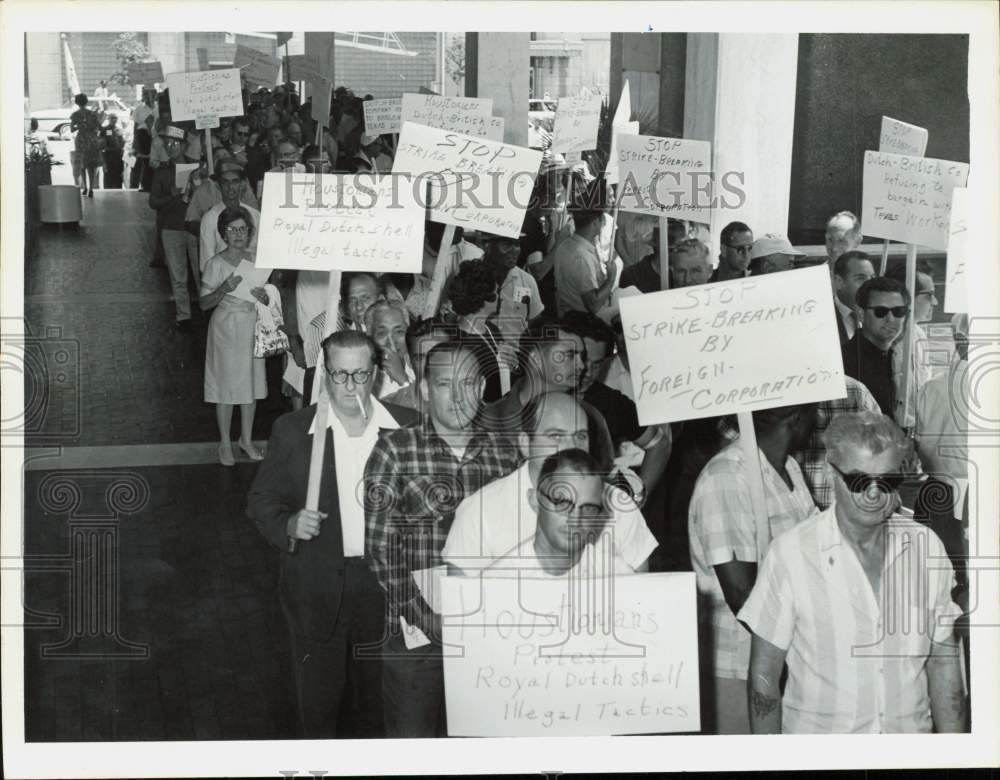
(388, 75)
(94, 60)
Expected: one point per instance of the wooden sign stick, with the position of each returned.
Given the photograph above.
(884, 265)
(440, 272)
(911, 283)
(755, 473)
(665, 255)
(208, 151)
(318, 452)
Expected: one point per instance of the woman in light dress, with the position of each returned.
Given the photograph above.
(232, 374)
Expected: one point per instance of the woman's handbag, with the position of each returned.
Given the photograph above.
(268, 340)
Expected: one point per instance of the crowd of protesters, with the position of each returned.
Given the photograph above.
(480, 432)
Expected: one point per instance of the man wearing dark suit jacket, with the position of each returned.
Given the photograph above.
(329, 594)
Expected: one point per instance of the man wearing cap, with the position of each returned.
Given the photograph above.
(583, 281)
(734, 254)
(231, 179)
(170, 202)
(772, 253)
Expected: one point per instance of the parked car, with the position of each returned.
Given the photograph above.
(56, 120)
(541, 109)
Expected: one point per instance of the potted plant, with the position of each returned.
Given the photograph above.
(37, 171)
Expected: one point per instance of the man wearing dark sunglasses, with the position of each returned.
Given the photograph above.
(736, 242)
(857, 600)
(884, 304)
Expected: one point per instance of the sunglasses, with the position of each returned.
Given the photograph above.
(897, 311)
(859, 482)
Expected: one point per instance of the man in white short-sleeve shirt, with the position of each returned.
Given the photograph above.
(727, 542)
(857, 601)
(583, 282)
(495, 520)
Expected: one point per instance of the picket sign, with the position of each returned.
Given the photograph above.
(440, 272)
(956, 290)
(909, 198)
(902, 138)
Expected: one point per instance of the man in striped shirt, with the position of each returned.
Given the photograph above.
(727, 542)
(858, 602)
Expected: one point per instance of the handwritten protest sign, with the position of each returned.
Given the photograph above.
(148, 73)
(902, 138)
(256, 66)
(956, 291)
(383, 116)
(575, 126)
(326, 222)
(303, 67)
(908, 199)
(183, 171)
(626, 128)
(475, 183)
(515, 665)
(470, 116)
(205, 93)
(665, 177)
(734, 346)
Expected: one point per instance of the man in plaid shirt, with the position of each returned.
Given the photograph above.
(415, 479)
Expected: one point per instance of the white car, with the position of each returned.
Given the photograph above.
(56, 120)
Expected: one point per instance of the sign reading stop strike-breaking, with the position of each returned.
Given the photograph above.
(205, 93)
(474, 183)
(665, 177)
(735, 346)
(902, 138)
(516, 663)
(336, 222)
(908, 199)
(575, 126)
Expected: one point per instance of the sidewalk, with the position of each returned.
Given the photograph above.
(181, 635)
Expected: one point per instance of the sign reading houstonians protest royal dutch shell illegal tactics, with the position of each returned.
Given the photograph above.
(515, 667)
(469, 116)
(735, 346)
(205, 93)
(336, 222)
(383, 116)
(147, 73)
(474, 183)
(902, 138)
(908, 199)
(574, 128)
(665, 177)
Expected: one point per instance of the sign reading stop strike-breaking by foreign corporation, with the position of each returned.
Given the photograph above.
(523, 657)
(471, 182)
(908, 199)
(736, 346)
(337, 222)
(205, 93)
(665, 177)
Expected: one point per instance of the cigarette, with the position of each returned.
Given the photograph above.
(361, 406)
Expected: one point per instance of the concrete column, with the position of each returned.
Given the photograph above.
(170, 49)
(739, 94)
(44, 72)
(496, 66)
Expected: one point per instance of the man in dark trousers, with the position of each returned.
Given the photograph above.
(329, 593)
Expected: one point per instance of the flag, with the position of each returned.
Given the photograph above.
(71, 79)
(624, 111)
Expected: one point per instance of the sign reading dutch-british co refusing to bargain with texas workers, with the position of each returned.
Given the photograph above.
(523, 657)
(337, 222)
(735, 346)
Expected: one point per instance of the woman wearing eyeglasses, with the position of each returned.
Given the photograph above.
(232, 374)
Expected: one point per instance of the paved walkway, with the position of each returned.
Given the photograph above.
(186, 640)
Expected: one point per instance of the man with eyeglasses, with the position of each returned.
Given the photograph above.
(857, 601)
(415, 479)
(727, 543)
(736, 242)
(501, 517)
(329, 592)
(241, 136)
(231, 186)
(574, 512)
(884, 304)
